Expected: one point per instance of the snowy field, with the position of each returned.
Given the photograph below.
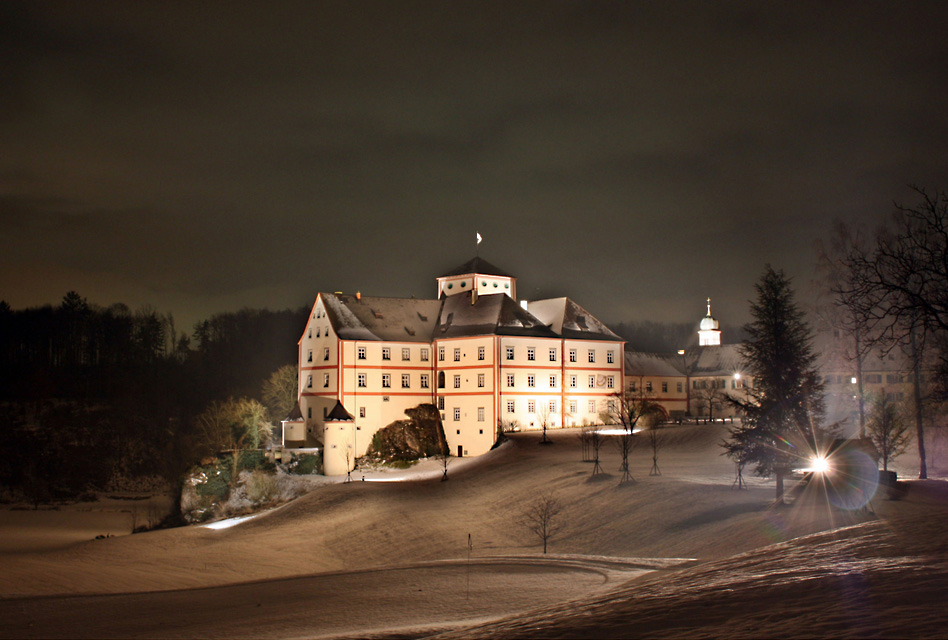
(680, 554)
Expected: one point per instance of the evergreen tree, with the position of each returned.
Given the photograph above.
(783, 412)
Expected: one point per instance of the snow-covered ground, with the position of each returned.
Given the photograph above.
(379, 558)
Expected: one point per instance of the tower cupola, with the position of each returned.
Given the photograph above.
(709, 332)
(479, 276)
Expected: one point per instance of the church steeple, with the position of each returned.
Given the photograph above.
(709, 332)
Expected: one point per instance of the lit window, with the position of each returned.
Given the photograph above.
(362, 380)
(610, 357)
(552, 406)
(424, 355)
(592, 355)
(440, 354)
(386, 380)
(531, 406)
(480, 380)
(457, 413)
(406, 353)
(457, 355)
(531, 353)
(457, 382)
(552, 382)
(480, 414)
(510, 353)
(510, 379)
(552, 355)
(361, 412)
(592, 382)
(572, 355)
(510, 406)
(531, 380)
(424, 381)
(610, 382)
(480, 353)
(406, 381)
(592, 406)
(361, 355)
(572, 381)
(572, 406)
(386, 353)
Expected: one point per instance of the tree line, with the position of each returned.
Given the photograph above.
(89, 394)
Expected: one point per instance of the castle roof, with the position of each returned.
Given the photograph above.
(653, 364)
(570, 320)
(476, 265)
(386, 319)
(494, 314)
(339, 414)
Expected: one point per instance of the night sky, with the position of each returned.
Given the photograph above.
(638, 157)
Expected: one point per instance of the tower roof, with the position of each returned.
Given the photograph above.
(476, 265)
(708, 323)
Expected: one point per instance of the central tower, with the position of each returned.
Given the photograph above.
(479, 276)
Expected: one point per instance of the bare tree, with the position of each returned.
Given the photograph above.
(655, 441)
(710, 397)
(544, 416)
(626, 409)
(887, 429)
(542, 517)
(235, 425)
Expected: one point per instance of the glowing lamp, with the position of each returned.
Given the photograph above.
(819, 464)
(853, 379)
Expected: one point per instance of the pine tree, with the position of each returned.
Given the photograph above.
(783, 413)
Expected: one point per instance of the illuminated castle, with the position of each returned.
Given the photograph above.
(476, 353)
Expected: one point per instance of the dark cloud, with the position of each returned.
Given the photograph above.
(635, 156)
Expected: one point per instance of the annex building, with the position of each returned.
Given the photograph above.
(481, 356)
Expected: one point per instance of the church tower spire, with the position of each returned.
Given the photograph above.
(709, 331)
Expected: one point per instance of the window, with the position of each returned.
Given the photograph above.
(874, 377)
(325, 381)
(648, 386)
(680, 389)
(441, 404)
(457, 413)
(480, 380)
(457, 355)
(610, 357)
(318, 332)
(386, 353)
(572, 406)
(552, 406)
(592, 406)
(480, 414)
(457, 382)
(424, 381)
(406, 381)
(592, 382)
(326, 353)
(633, 386)
(531, 353)
(510, 406)
(309, 412)
(510, 353)
(309, 382)
(406, 353)
(610, 382)
(592, 355)
(361, 351)
(361, 382)
(572, 355)
(531, 406)
(552, 382)
(309, 356)
(552, 355)
(440, 354)
(386, 380)
(510, 379)
(531, 380)
(424, 355)
(480, 353)
(664, 387)
(361, 412)
(310, 332)
(441, 379)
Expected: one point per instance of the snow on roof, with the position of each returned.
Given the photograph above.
(718, 360)
(374, 318)
(652, 364)
(494, 314)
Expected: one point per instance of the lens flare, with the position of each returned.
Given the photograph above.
(819, 464)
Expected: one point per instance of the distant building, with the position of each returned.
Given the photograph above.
(476, 353)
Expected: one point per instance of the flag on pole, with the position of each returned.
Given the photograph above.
(479, 238)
